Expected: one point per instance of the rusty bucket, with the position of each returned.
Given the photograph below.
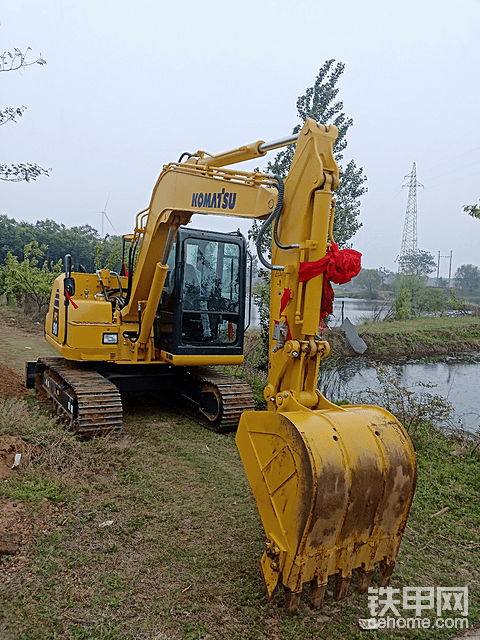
(333, 488)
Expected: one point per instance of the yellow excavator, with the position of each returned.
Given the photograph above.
(333, 484)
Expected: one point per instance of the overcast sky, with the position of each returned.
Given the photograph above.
(130, 86)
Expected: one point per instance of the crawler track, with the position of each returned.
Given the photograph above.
(231, 397)
(91, 405)
(84, 399)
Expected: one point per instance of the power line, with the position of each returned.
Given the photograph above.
(453, 171)
(451, 160)
(435, 186)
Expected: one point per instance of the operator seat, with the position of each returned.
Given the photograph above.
(191, 289)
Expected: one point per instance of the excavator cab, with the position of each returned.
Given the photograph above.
(202, 307)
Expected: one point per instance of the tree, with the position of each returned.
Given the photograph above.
(319, 102)
(13, 236)
(414, 298)
(468, 277)
(26, 281)
(371, 280)
(472, 210)
(23, 171)
(79, 242)
(418, 262)
(108, 253)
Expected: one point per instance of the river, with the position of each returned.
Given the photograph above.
(455, 379)
(356, 310)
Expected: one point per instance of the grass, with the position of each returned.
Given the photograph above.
(423, 337)
(180, 559)
(155, 535)
(468, 325)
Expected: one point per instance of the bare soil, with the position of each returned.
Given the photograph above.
(11, 384)
(17, 522)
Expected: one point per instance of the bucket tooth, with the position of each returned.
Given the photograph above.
(341, 586)
(292, 600)
(364, 578)
(386, 570)
(317, 593)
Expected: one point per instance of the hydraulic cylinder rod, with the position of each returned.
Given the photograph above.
(246, 152)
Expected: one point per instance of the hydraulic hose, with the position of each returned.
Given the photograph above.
(274, 217)
(281, 189)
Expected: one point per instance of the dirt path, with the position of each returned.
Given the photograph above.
(20, 340)
(16, 336)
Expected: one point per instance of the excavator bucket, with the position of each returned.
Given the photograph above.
(333, 488)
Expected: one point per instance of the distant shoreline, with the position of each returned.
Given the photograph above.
(411, 339)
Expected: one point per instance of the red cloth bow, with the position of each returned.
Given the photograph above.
(338, 266)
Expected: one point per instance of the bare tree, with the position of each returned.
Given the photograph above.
(24, 171)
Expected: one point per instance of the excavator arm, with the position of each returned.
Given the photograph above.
(333, 485)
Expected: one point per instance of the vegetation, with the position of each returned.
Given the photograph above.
(27, 282)
(420, 337)
(82, 242)
(320, 103)
(449, 324)
(415, 410)
(414, 298)
(23, 171)
(156, 535)
(472, 210)
(370, 281)
(467, 277)
(419, 263)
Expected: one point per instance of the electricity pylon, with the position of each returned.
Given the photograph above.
(409, 239)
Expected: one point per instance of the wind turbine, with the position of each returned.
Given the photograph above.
(104, 215)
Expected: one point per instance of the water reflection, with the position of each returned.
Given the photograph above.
(358, 311)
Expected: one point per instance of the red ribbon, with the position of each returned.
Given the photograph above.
(338, 266)
(75, 306)
(285, 298)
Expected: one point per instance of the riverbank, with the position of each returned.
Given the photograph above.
(418, 338)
